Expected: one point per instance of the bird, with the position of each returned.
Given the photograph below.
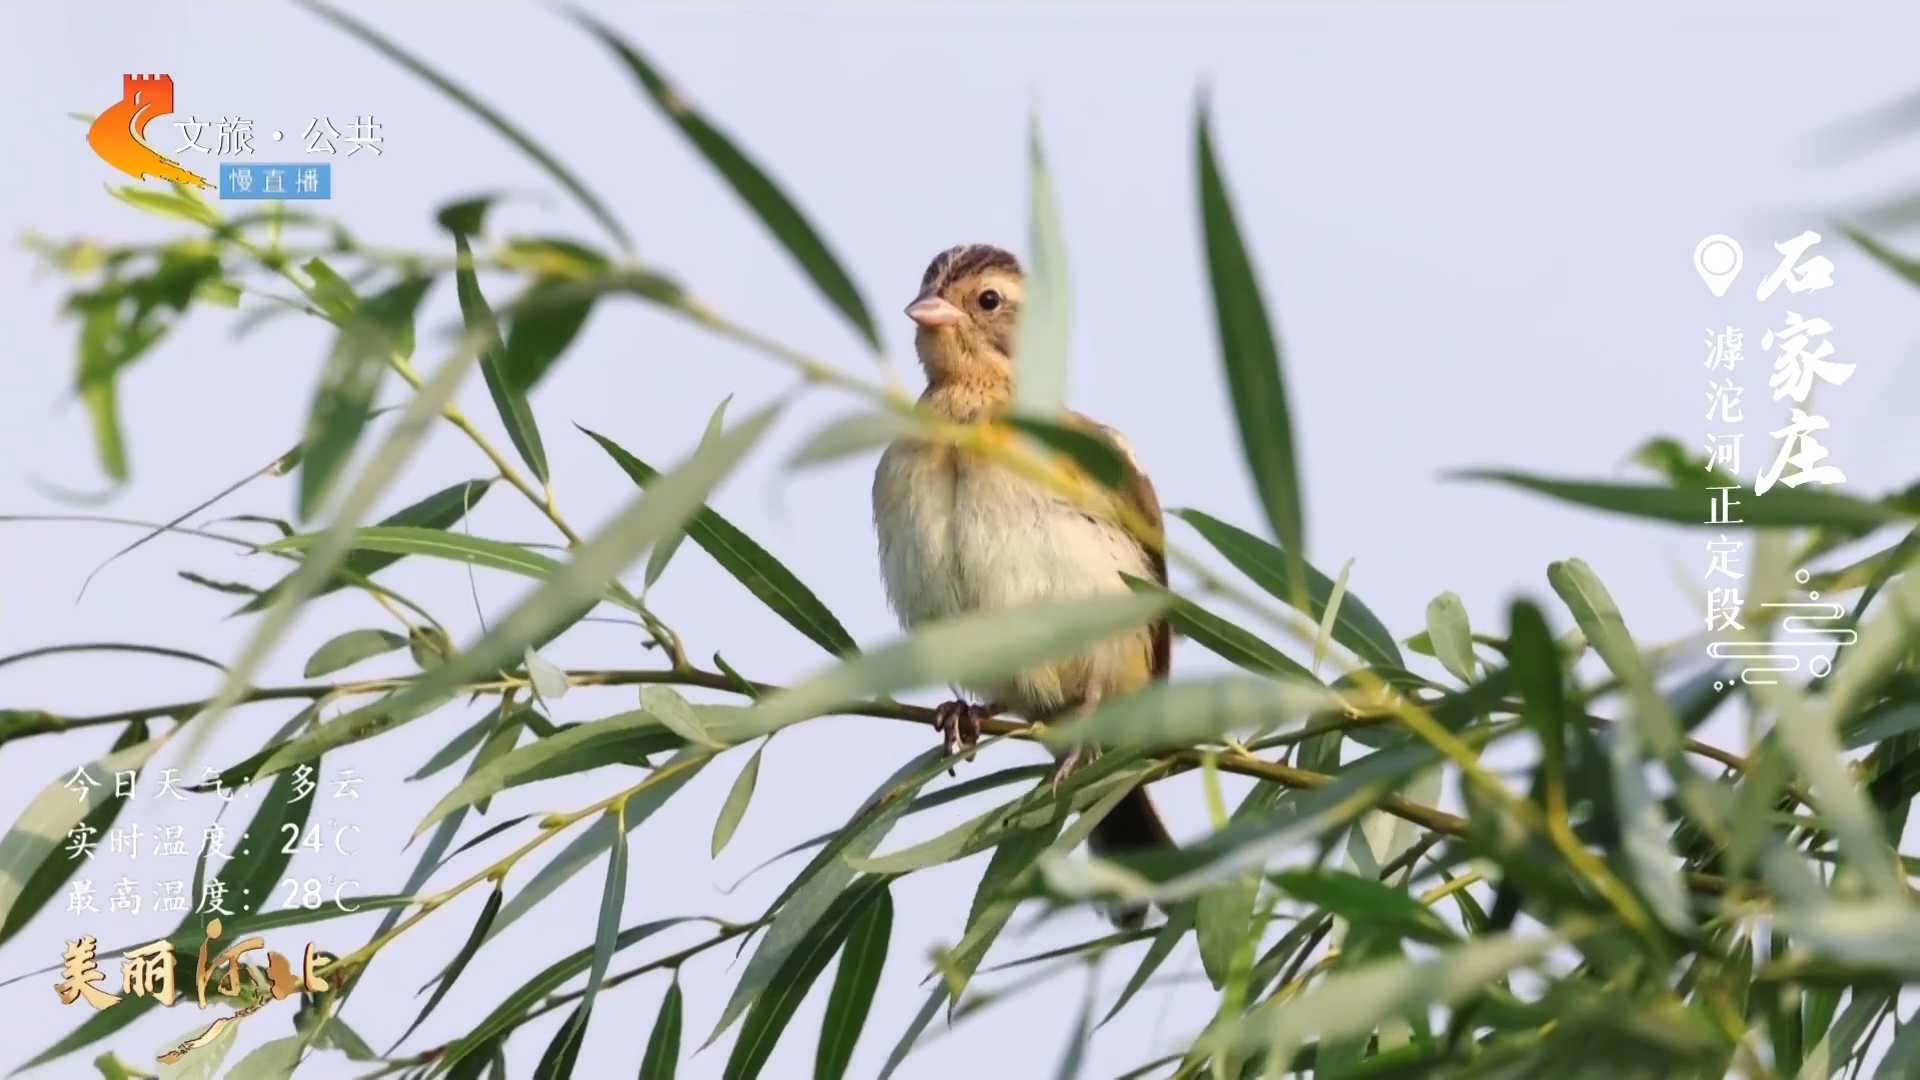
(959, 533)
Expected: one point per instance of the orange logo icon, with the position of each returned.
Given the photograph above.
(117, 135)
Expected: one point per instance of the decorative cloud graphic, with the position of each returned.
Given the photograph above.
(117, 135)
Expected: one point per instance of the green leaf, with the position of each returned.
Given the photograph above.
(749, 563)
(853, 434)
(481, 109)
(102, 399)
(1903, 1055)
(32, 865)
(354, 726)
(545, 321)
(1351, 1003)
(1223, 918)
(474, 937)
(1904, 267)
(548, 980)
(179, 204)
(586, 847)
(662, 1058)
(673, 711)
(1179, 921)
(509, 399)
(1075, 1054)
(1251, 355)
(667, 505)
(1040, 340)
(505, 770)
(1330, 614)
(549, 682)
(1650, 729)
(1100, 457)
(991, 827)
(772, 1010)
(825, 879)
(921, 1019)
(251, 875)
(861, 962)
(1782, 507)
(441, 510)
(349, 649)
(330, 291)
(1451, 635)
(458, 747)
(1225, 639)
(380, 327)
(663, 551)
(1194, 711)
(613, 897)
(962, 650)
(738, 798)
(1366, 902)
(1012, 865)
(271, 1060)
(561, 1054)
(400, 540)
(1355, 625)
(558, 1061)
(754, 187)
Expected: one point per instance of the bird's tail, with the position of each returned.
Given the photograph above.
(1133, 825)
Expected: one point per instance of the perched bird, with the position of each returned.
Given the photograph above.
(959, 533)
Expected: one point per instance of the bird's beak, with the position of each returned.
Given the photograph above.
(931, 312)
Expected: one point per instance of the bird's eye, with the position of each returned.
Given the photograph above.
(989, 300)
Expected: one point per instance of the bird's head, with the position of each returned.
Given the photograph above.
(968, 306)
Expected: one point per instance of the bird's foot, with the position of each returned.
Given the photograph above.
(1077, 758)
(958, 723)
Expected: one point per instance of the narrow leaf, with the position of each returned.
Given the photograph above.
(1041, 338)
(751, 183)
(1251, 355)
(749, 563)
(557, 1061)
(441, 510)
(343, 404)
(771, 1011)
(662, 1058)
(349, 649)
(32, 865)
(548, 680)
(1223, 638)
(738, 797)
(1451, 635)
(673, 711)
(663, 551)
(961, 650)
(861, 962)
(481, 109)
(508, 398)
(474, 937)
(1781, 507)
(1271, 568)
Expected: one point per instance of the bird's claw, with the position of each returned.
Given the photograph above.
(958, 723)
(1077, 758)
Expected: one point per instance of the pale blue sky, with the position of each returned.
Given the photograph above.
(1474, 226)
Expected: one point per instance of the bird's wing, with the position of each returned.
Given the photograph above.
(1136, 491)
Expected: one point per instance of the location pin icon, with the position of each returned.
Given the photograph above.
(1718, 258)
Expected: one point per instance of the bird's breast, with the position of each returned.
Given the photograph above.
(960, 534)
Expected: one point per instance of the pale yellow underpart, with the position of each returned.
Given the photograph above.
(960, 534)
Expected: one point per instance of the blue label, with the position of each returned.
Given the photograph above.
(271, 180)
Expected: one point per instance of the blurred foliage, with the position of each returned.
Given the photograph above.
(1633, 902)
